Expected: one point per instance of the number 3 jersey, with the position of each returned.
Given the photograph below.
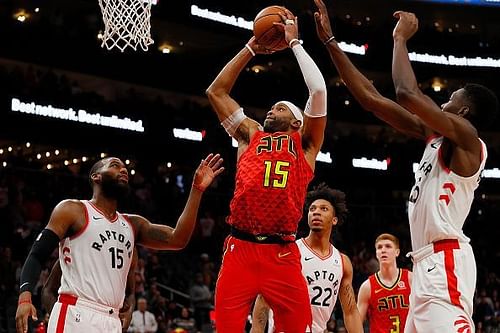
(271, 183)
(323, 276)
(96, 261)
(388, 306)
(440, 199)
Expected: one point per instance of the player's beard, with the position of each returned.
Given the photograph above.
(113, 189)
(276, 125)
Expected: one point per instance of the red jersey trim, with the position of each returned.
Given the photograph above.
(134, 230)
(447, 246)
(400, 275)
(316, 253)
(113, 220)
(82, 230)
(342, 261)
(431, 137)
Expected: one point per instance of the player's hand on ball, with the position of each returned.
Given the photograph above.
(258, 48)
(209, 168)
(290, 27)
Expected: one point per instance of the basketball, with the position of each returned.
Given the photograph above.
(267, 34)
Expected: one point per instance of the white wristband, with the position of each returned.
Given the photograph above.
(293, 40)
(252, 52)
(234, 120)
(326, 42)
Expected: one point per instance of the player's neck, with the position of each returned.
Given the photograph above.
(106, 206)
(388, 273)
(319, 242)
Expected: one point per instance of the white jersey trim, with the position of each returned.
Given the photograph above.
(316, 253)
(115, 218)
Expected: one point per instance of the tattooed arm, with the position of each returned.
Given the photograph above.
(352, 319)
(163, 237)
(260, 315)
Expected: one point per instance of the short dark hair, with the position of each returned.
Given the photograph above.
(335, 197)
(483, 102)
(97, 165)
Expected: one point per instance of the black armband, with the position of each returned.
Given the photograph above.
(43, 247)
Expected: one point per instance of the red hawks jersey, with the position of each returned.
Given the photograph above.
(271, 183)
(95, 262)
(388, 306)
(440, 199)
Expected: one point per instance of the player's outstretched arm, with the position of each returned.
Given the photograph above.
(352, 318)
(228, 111)
(364, 299)
(409, 95)
(360, 87)
(163, 237)
(63, 218)
(260, 315)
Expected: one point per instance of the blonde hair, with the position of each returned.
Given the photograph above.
(389, 237)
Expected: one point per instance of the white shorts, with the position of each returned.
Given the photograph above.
(74, 315)
(442, 291)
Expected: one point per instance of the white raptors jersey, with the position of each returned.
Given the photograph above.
(96, 261)
(440, 199)
(323, 276)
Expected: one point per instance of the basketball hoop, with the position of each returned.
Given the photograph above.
(127, 23)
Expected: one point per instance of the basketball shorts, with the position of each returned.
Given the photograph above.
(273, 270)
(442, 291)
(74, 315)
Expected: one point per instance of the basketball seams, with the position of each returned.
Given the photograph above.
(266, 33)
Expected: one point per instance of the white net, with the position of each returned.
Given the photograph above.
(127, 23)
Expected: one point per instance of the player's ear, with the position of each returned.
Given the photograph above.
(397, 252)
(96, 178)
(296, 124)
(335, 220)
(464, 110)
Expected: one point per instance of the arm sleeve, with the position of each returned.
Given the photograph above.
(43, 247)
(316, 104)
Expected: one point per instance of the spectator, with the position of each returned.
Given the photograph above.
(184, 321)
(201, 298)
(140, 279)
(143, 321)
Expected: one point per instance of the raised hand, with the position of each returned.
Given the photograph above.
(24, 310)
(257, 48)
(208, 169)
(407, 25)
(323, 26)
(290, 26)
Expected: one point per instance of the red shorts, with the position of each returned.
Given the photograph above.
(273, 270)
